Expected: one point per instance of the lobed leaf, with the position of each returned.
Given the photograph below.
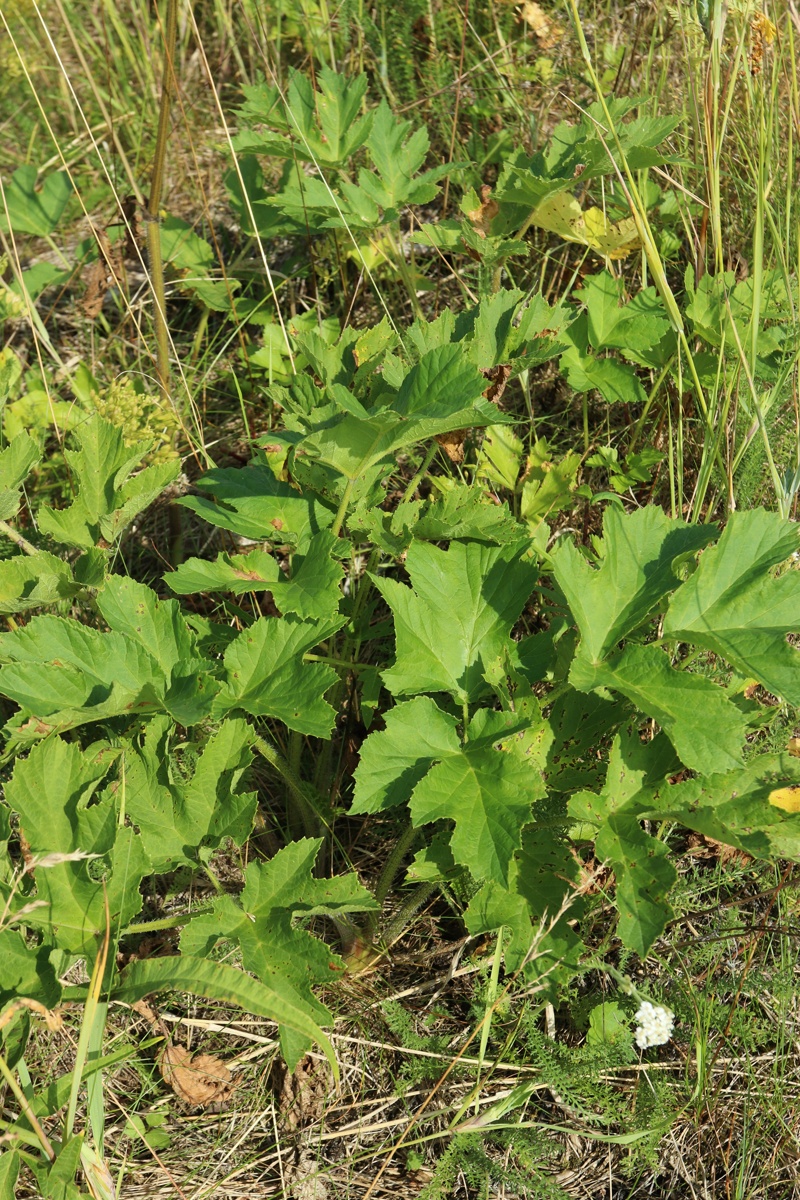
(394, 760)
(644, 876)
(216, 981)
(706, 729)
(279, 952)
(610, 598)
(51, 790)
(176, 816)
(251, 502)
(16, 460)
(266, 674)
(109, 494)
(456, 617)
(734, 607)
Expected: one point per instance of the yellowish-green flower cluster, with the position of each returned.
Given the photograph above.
(141, 417)
(20, 43)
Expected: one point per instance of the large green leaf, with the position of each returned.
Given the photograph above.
(488, 794)
(542, 877)
(756, 808)
(109, 493)
(456, 617)
(9, 1173)
(51, 791)
(644, 876)
(237, 573)
(611, 596)
(443, 385)
(250, 501)
(281, 953)
(634, 328)
(33, 581)
(398, 154)
(312, 590)
(460, 513)
(266, 675)
(393, 760)
(616, 381)
(16, 460)
(27, 971)
(635, 769)
(135, 611)
(706, 729)
(352, 445)
(215, 981)
(443, 392)
(734, 606)
(174, 815)
(323, 126)
(55, 664)
(30, 209)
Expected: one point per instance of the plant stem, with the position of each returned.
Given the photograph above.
(417, 478)
(171, 922)
(389, 874)
(294, 814)
(22, 542)
(30, 1115)
(313, 820)
(341, 513)
(154, 203)
(406, 911)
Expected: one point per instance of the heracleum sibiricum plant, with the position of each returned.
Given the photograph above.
(504, 750)
(502, 754)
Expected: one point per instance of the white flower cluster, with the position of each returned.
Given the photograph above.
(654, 1025)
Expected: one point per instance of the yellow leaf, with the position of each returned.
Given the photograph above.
(562, 214)
(787, 798)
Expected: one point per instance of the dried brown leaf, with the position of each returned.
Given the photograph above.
(304, 1093)
(453, 444)
(197, 1079)
(481, 218)
(498, 377)
(101, 275)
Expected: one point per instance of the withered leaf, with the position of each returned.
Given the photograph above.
(547, 32)
(198, 1079)
(498, 377)
(453, 444)
(481, 218)
(104, 272)
(304, 1093)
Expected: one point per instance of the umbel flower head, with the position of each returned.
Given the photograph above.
(654, 1025)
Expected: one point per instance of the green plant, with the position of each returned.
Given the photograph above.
(521, 701)
(505, 751)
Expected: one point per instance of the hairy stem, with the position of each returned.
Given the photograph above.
(406, 911)
(22, 542)
(314, 823)
(389, 874)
